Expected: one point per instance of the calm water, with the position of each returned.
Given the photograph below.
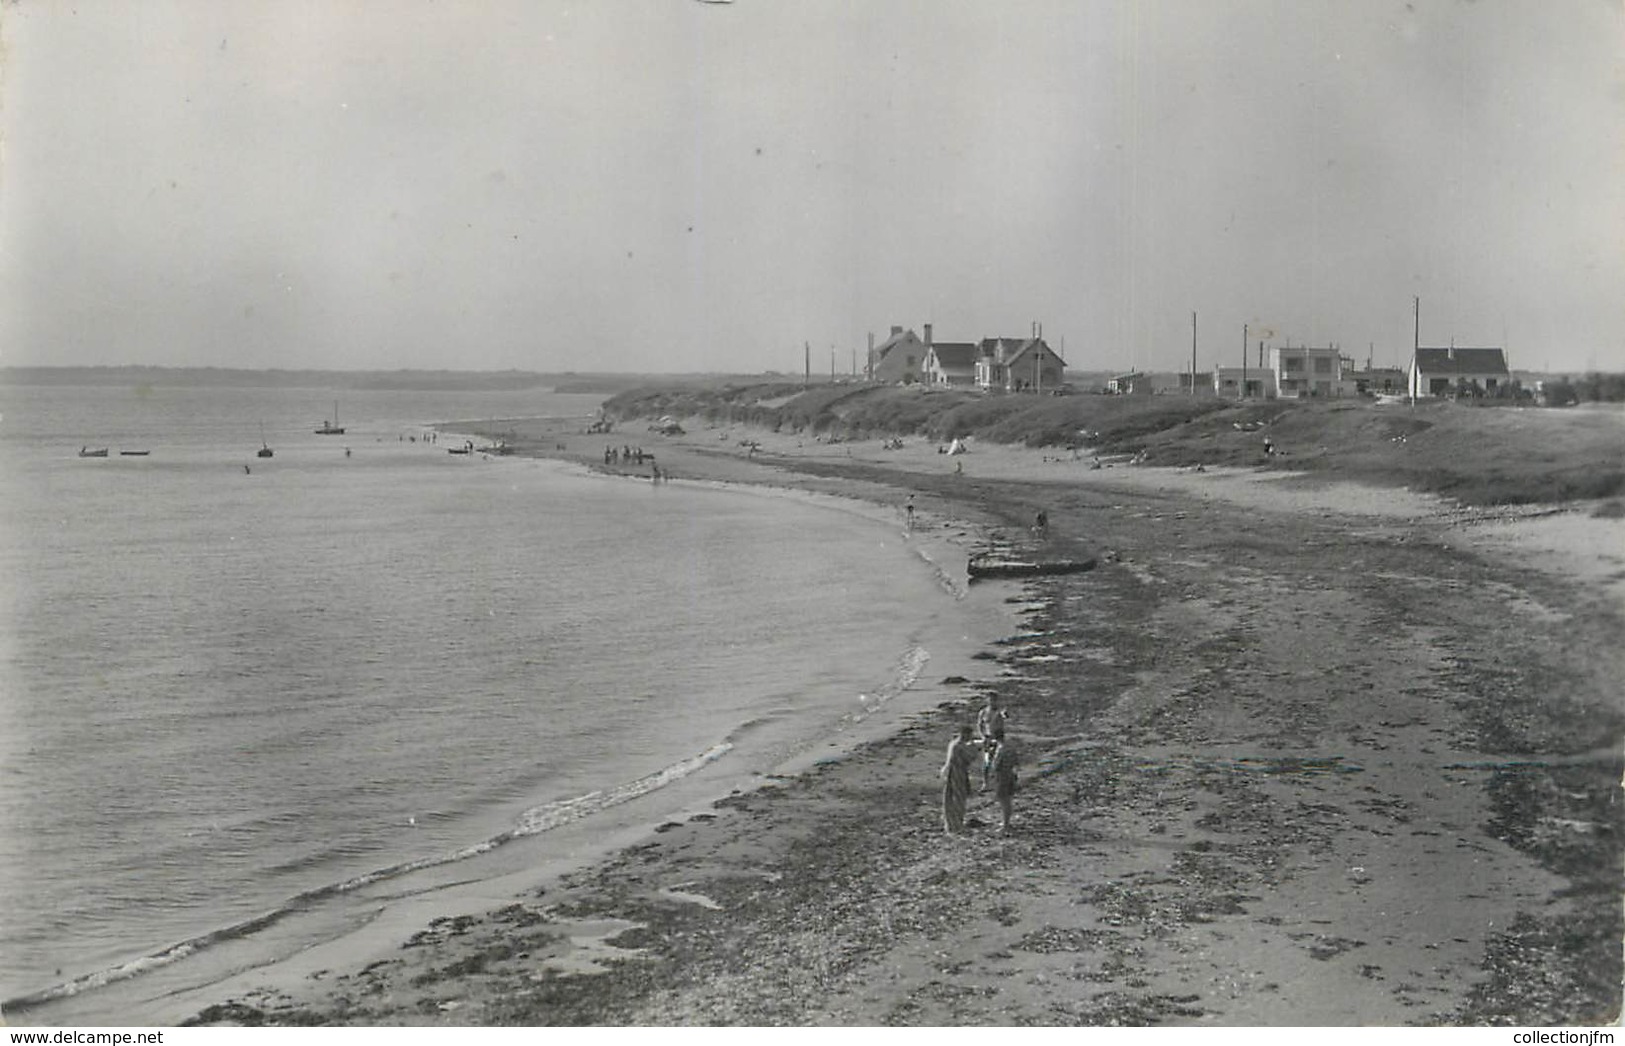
(229, 696)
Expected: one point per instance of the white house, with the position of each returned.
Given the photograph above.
(1440, 372)
(949, 364)
(1303, 371)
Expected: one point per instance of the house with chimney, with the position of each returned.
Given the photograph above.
(900, 359)
(1019, 364)
(1449, 371)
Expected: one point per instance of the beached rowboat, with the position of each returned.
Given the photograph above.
(989, 566)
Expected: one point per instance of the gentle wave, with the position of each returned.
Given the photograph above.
(956, 587)
(532, 822)
(909, 668)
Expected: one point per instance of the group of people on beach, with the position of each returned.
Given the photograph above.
(998, 759)
(630, 455)
(627, 455)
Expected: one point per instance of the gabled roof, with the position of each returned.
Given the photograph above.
(1461, 361)
(955, 355)
(892, 342)
(1032, 345)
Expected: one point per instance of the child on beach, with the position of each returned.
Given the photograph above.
(1004, 780)
(990, 723)
(955, 774)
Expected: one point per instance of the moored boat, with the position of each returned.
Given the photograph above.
(86, 452)
(331, 428)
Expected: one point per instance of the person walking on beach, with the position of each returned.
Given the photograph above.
(990, 723)
(955, 774)
(908, 514)
(1004, 780)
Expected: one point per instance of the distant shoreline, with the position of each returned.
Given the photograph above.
(229, 377)
(399, 380)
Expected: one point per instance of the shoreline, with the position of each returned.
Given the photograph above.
(403, 907)
(1210, 832)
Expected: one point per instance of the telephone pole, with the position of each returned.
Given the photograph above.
(1193, 352)
(1243, 361)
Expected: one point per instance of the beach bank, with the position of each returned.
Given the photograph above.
(1293, 754)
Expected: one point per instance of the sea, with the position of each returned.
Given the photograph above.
(252, 705)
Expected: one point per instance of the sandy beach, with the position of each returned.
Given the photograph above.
(1293, 753)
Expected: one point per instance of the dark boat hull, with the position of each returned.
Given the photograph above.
(997, 568)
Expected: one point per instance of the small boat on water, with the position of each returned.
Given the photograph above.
(264, 452)
(86, 452)
(984, 565)
(265, 448)
(332, 428)
(133, 453)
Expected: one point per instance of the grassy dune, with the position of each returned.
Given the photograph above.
(1477, 455)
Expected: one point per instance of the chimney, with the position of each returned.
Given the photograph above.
(896, 330)
(928, 335)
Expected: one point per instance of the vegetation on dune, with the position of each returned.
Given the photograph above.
(1481, 457)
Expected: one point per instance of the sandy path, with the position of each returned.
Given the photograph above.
(1294, 754)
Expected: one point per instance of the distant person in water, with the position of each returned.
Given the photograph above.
(908, 512)
(1041, 524)
(990, 723)
(955, 774)
(1004, 780)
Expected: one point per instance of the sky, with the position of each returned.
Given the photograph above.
(680, 186)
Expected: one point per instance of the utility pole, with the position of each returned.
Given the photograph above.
(806, 363)
(832, 364)
(1416, 343)
(1193, 352)
(1244, 361)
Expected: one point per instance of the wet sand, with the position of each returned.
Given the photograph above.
(1294, 753)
